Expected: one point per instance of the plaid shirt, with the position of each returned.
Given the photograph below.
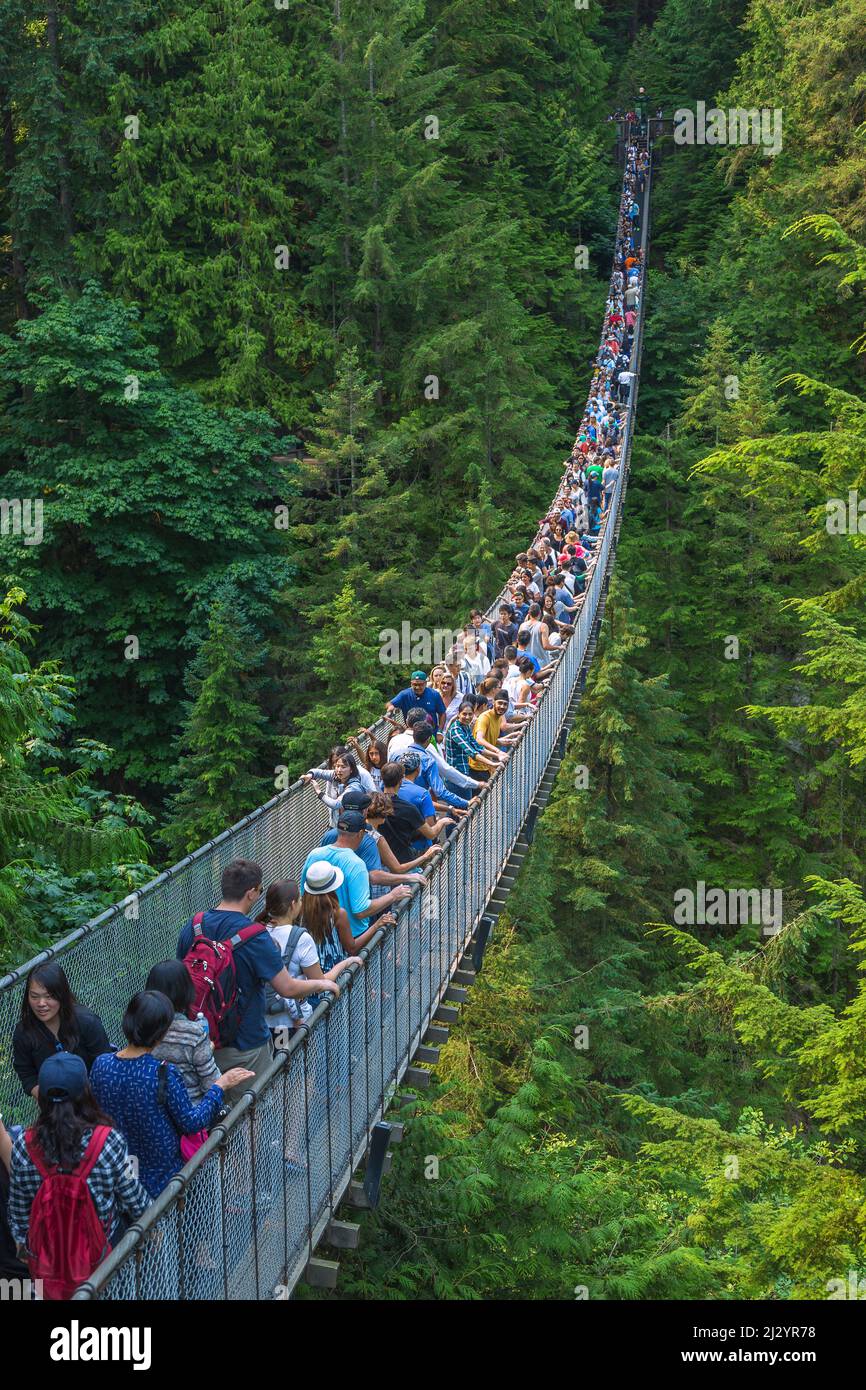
(460, 745)
(111, 1184)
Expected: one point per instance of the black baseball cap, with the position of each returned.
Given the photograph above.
(355, 799)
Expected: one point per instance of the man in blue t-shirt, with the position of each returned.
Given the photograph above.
(370, 848)
(418, 692)
(418, 796)
(353, 894)
(257, 962)
(523, 639)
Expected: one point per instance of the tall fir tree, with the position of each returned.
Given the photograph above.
(219, 773)
(349, 678)
(206, 219)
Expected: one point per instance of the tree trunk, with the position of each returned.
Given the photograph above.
(341, 55)
(19, 273)
(64, 189)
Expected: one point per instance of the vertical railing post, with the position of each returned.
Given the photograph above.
(309, 1166)
(326, 1023)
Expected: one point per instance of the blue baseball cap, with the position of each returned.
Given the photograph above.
(62, 1077)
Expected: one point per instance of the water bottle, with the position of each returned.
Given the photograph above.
(203, 1024)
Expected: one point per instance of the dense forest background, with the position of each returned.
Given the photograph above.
(292, 366)
(292, 343)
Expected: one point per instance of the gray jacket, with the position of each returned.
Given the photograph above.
(186, 1045)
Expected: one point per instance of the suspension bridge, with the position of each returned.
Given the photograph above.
(309, 1142)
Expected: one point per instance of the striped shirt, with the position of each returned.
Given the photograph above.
(190, 1049)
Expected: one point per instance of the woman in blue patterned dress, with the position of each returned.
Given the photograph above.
(147, 1099)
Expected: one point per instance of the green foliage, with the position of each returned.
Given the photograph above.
(205, 219)
(139, 478)
(222, 742)
(350, 679)
(477, 547)
(717, 1086)
(250, 223)
(517, 1203)
(65, 846)
(356, 223)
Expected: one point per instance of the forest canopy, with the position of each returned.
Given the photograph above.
(292, 344)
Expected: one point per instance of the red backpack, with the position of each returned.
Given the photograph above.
(211, 967)
(66, 1237)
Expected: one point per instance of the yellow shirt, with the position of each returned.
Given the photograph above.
(486, 726)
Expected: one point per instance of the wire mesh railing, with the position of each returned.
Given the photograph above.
(243, 1217)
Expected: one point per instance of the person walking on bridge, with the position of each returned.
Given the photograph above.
(257, 962)
(418, 692)
(353, 891)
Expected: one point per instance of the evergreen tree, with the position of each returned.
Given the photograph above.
(63, 70)
(343, 514)
(221, 744)
(707, 410)
(477, 548)
(745, 638)
(616, 846)
(151, 498)
(781, 1198)
(349, 678)
(62, 843)
(626, 812)
(206, 219)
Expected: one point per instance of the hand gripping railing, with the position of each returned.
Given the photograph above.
(243, 1217)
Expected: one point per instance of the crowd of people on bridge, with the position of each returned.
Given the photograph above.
(116, 1121)
(632, 116)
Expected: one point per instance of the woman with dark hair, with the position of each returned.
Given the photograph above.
(71, 1136)
(344, 775)
(327, 922)
(147, 1097)
(373, 757)
(51, 1021)
(337, 754)
(186, 1043)
(299, 951)
(548, 609)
